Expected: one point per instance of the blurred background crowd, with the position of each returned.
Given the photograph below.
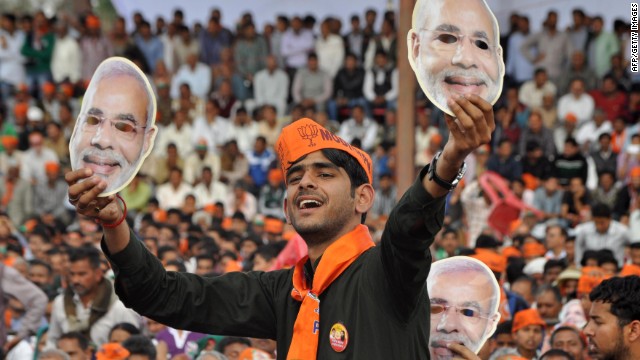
(552, 205)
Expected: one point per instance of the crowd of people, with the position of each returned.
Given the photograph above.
(563, 215)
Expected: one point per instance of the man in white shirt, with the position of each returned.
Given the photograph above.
(296, 44)
(532, 91)
(244, 130)
(209, 191)
(12, 71)
(587, 136)
(212, 127)
(577, 101)
(66, 60)
(360, 127)
(381, 83)
(171, 195)
(179, 132)
(271, 86)
(601, 233)
(194, 73)
(198, 160)
(330, 49)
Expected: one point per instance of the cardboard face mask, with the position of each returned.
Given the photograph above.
(454, 49)
(465, 297)
(115, 130)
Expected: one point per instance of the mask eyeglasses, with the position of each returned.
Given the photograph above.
(125, 128)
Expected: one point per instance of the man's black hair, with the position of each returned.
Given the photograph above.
(128, 327)
(567, 328)
(179, 264)
(555, 353)
(165, 249)
(553, 263)
(552, 289)
(605, 256)
(623, 295)
(503, 328)
(269, 251)
(601, 211)
(38, 262)
(587, 255)
(228, 340)
(86, 252)
(83, 342)
(140, 345)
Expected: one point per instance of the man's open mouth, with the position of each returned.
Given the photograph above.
(463, 81)
(308, 202)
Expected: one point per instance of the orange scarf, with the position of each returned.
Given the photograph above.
(335, 260)
(8, 193)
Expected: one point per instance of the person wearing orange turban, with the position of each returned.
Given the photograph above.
(527, 332)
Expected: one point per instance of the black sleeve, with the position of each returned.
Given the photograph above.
(236, 303)
(404, 247)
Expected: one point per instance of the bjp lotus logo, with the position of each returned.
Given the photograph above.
(308, 132)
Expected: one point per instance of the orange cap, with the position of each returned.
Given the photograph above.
(92, 22)
(20, 109)
(275, 175)
(511, 251)
(495, 262)
(630, 269)
(533, 249)
(635, 171)
(226, 223)
(305, 136)
(530, 182)
(571, 117)
(232, 266)
(112, 351)
(524, 318)
(51, 167)
(48, 88)
(9, 141)
(67, 89)
(591, 277)
(273, 226)
(160, 216)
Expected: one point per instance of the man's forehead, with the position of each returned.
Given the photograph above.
(437, 13)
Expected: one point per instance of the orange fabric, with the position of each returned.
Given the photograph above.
(160, 216)
(530, 182)
(436, 138)
(495, 262)
(20, 109)
(591, 277)
(305, 136)
(571, 117)
(51, 167)
(273, 226)
(226, 223)
(525, 318)
(253, 354)
(67, 89)
(9, 141)
(630, 269)
(503, 308)
(511, 251)
(232, 266)
(22, 87)
(617, 141)
(533, 249)
(8, 194)
(635, 171)
(112, 351)
(334, 261)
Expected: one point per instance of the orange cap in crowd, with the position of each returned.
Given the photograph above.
(232, 266)
(436, 138)
(112, 351)
(571, 117)
(67, 89)
(92, 22)
(524, 318)
(20, 109)
(305, 136)
(635, 171)
(273, 226)
(9, 141)
(226, 223)
(630, 269)
(51, 167)
(530, 182)
(591, 277)
(495, 262)
(275, 175)
(533, 249)
(48, 88)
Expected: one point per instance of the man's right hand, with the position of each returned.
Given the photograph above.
(84, 189)
(462, 352)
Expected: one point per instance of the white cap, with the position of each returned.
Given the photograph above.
(35, 114)
(535, 266)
